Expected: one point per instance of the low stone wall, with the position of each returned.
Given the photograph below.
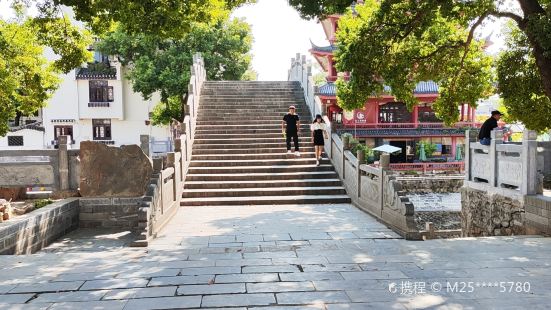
(55, 169)
(490, 213)
(434, 184)
(121, 213)
(538, 215)
(31, 232)
(374, 190)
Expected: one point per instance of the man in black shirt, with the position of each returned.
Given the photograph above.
(485, 131)
(289, 127)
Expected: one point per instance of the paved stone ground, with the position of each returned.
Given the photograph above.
(281, 257)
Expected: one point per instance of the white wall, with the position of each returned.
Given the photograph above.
(32, 139)
(128, 112)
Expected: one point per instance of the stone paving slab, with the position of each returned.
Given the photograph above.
(350, 262)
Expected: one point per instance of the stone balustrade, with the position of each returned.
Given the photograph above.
(509, 168)
(55, 170)
(502, 193)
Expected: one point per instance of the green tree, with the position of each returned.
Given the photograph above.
(162, 65)
(169, 18)
(520, 85)
(379, 48)
(319, 8)
(250, 75)
(27, 78)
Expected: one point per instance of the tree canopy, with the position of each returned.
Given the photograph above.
(163, 65)
(171, 18)
(401, 42)
(27, 77)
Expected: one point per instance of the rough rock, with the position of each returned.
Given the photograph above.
(20, 208)
(424, 185)
(113, 172)
(12, 193)
(484, 214)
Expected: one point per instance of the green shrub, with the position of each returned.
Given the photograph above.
(41, 203)
(429, 148)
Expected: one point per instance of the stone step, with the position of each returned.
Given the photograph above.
(251, 134)
(265, 191)
(266, 84)
(237, 127)
(261, 183)
(217, 151)
(247, 109)
(291, 160)
(305, 129)
(250, 156)
(260, 176)
(251, 140)
(260, 169)
(276, 118)
(252, 146)
(233, 122)
(265, 200)
(247, 115)
(242, 91)
(253, 95)
(252, 102)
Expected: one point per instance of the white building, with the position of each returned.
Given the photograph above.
(95, 103)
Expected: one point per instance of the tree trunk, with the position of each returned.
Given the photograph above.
(17, 119)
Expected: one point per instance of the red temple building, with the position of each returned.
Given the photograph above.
(383, 120)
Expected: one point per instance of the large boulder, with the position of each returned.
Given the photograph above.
(13, 193)
(113, 172)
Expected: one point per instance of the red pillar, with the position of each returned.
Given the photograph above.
(454, 146)
(376, 112)
(473, 114)
(463, 112)
(415, 115)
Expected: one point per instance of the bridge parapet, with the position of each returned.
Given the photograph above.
(510, 167)
(503, 188)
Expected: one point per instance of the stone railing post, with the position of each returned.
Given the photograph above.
(157, 165)
(497, 138)
(384, 161)
(63, 163)
(144, 144)
(470, 137)
(361, 160)
(178, 149)
(345, 147)
(529, 163)
(171, 162)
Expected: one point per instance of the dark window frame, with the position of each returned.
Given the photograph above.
(100, 91)
(66, 130)
(14, 141)
(101, 129)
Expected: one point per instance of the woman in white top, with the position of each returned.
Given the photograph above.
(319, 134)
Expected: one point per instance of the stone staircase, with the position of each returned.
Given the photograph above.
(239, 155)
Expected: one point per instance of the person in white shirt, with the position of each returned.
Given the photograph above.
(319, 134)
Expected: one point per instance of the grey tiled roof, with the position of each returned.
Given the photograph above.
(87, 74)
(328, 89)
(325, 49)
(429, 87)
(33, 126)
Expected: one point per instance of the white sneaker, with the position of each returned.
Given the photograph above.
(297, 154)
(317, 162)
(288, 151)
